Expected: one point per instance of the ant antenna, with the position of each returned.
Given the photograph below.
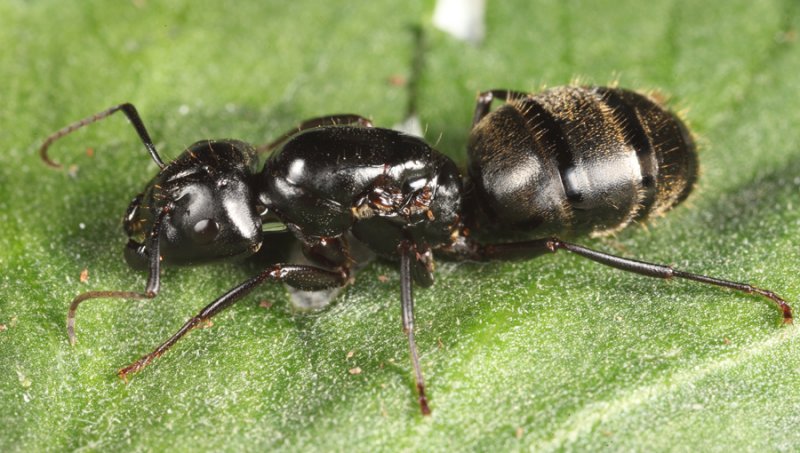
(128, 109)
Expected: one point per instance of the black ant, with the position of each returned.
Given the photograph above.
(567, 161)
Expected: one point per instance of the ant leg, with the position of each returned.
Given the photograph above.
(343, 119)
(484, 102)
(133, 116)
(303, 277)
(150, 291)
(532, 249)
(407, 250)
(331, 253)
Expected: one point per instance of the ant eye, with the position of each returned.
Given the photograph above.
(205, 231)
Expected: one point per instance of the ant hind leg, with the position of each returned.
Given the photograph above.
(531, 249)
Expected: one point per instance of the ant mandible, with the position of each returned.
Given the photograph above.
(567, 161)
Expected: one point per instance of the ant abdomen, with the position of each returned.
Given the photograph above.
(576, 160)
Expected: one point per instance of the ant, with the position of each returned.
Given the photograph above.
(567, 161)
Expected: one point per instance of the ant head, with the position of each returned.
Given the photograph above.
(211, 209)
(212, 213)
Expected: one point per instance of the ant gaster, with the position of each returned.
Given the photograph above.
(567, 161)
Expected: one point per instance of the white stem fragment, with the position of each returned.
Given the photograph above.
(464, 19)
(410, 126)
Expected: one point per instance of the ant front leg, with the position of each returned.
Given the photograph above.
(532, 249)
(153, 279)
(343, 119)
(331, 253)
(304, 277)
(484, 102)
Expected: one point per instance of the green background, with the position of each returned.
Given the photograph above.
(552, 354)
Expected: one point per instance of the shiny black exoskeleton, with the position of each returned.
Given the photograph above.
(209, 192)
(383, 186)
(567, 161)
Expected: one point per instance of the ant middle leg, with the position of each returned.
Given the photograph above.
(343, 119)
(413, 263)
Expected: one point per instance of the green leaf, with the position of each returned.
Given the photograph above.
(552, 354)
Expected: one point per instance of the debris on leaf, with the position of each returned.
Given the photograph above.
(397, 80)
